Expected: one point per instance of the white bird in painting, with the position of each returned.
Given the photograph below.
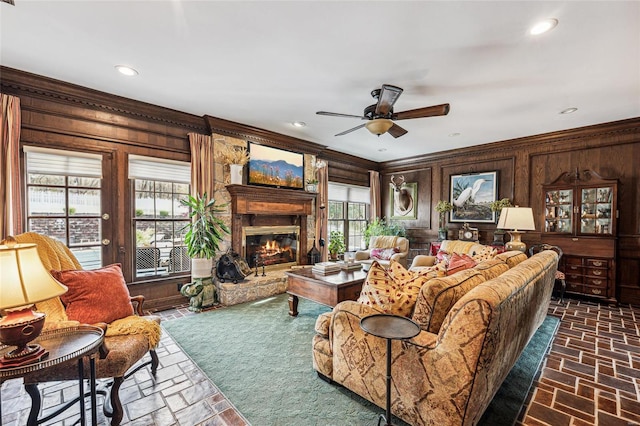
(468, 193)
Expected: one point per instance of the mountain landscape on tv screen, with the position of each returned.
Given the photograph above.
(276, 173)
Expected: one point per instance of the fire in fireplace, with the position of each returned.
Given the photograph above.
(271, 245)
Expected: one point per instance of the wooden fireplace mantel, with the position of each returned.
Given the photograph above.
(265, 206)
(262, 200)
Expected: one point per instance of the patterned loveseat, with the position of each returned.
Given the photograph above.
(449, 373)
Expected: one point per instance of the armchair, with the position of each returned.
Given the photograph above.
(127, 340)
(400, 246)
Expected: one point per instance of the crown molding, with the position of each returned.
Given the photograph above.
(16, 82)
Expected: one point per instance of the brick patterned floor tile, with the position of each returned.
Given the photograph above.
(590, 376)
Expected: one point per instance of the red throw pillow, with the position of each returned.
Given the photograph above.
(99, 295)
(442, 255)
(384, 253)
(459, 262)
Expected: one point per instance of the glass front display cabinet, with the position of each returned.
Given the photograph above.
(580, 214)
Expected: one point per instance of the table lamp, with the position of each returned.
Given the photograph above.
(23, 281)
(515, 220)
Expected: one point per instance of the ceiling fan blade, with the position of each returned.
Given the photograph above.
(396, 131)
(431, 111)
(337, 114)
(351, 130)
(388, 96)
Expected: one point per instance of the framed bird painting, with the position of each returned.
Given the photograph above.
(471, 197)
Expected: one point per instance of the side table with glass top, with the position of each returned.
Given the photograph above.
(65, 344)
(390, 327)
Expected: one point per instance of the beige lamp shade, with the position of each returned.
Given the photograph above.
(23, 278)
(379, 126)
(516, 218)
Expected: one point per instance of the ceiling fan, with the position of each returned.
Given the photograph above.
(381, 117)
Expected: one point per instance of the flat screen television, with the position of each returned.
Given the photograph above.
(275, 167)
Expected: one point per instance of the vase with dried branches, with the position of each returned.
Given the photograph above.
(235, 157)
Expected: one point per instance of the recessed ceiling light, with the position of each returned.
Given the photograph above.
(453, 135)
(543, 26)
(126, 70)
(299, 124)
(568, 110)
(382, 149)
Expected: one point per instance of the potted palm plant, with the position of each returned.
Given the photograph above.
(204, 234)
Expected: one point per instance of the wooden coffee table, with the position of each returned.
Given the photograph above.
(329, 289)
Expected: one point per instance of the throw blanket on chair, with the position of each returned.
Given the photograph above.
(55, 255)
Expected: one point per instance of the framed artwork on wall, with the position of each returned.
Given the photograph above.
(275, 167)
(403, 201)
(471, 196)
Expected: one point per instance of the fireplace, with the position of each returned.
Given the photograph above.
(276, 216)
(270, 245)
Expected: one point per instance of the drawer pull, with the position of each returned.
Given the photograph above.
(597, 282)
(574, 267)
(597, 263)
(596, 291)
(597, 272)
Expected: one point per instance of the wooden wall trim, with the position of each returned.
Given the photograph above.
(598, 135)
(15, 81)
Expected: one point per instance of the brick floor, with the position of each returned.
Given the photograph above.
(591, 376)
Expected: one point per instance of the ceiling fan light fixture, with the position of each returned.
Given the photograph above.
(379, 126)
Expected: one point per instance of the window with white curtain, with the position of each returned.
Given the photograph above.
(64, 200)
(348, 211)
(158, 216)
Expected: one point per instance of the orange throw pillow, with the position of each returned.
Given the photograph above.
(459, 262)
(99, 295)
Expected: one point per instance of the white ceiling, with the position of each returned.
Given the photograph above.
(268, 63)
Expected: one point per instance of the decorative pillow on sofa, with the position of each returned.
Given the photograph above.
(486, 253)
(99, 295)
(384, 253)
(442, 255)
(391, 295)
(459, 262)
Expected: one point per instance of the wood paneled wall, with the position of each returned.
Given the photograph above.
(523, 166)
(62, 115)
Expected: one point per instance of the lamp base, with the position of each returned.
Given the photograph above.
(18, 328)
(23, 356)
(516, 243)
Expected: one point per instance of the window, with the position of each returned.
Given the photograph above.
(64, 200)
(158, 216)
(348, 213)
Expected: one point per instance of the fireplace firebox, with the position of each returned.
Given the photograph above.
(270, 245)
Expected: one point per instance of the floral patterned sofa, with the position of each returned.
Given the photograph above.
(475, 324)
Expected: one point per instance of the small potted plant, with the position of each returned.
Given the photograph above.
(497, 206)
(236, 157)
(442, 207)
(204, 234)
(336, 244)
(312, 185)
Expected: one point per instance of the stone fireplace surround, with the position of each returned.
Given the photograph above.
(265, 206)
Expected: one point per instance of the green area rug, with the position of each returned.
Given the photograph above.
(260, 358)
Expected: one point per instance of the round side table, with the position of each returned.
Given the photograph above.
(65, 344)
(390, 327)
